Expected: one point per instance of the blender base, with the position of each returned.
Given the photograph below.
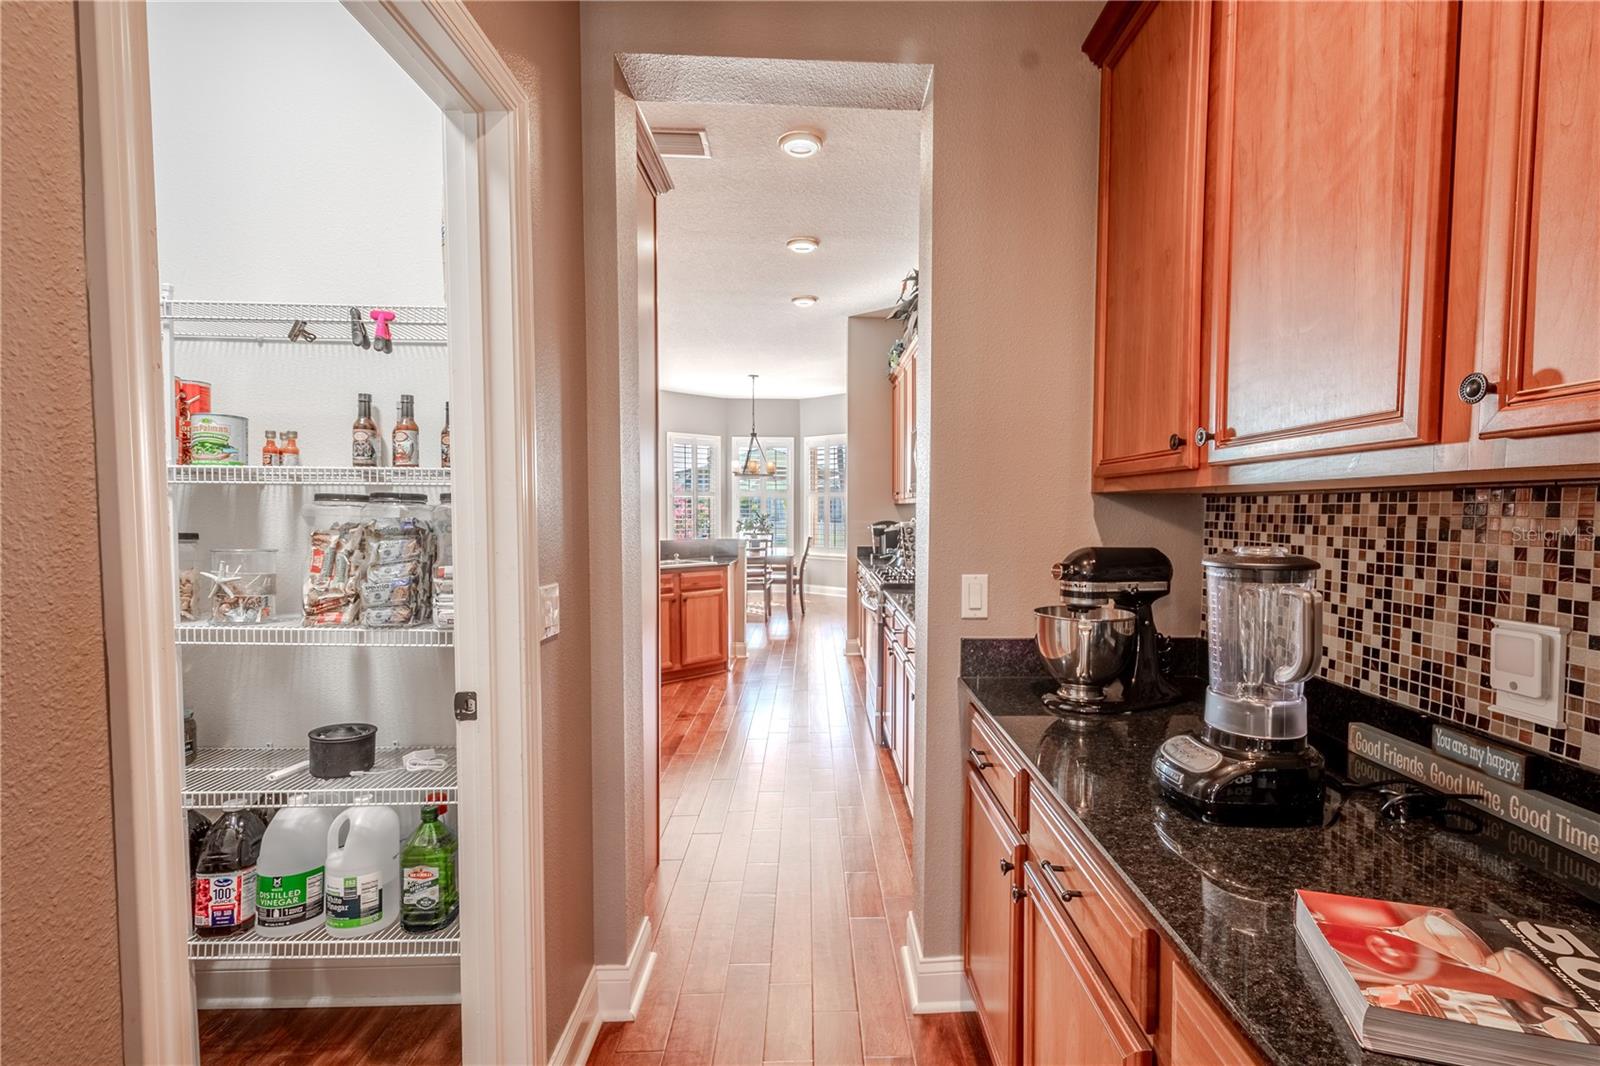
(1227, 779)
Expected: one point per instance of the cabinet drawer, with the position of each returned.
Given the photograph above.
(669, 583)
(992, 760)
(1126, 948)
(1200, 1034)
(696, 580)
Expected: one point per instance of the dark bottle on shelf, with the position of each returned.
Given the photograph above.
(444, 437)
(405, 433)
(364, 434)
(429, 898)
(224, 894)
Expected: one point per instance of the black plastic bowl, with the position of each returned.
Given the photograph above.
(341, 749)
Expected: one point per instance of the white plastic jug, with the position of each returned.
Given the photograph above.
(363, 871)
(289, 873)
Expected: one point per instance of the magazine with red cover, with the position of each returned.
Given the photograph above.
(1507, 979)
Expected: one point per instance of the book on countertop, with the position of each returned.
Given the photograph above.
(1465, 989)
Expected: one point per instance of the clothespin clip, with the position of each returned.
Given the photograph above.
(358, 330)
(382, 341)
(299, 332)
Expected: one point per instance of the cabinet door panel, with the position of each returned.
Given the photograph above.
(1332, 131)
(1541, 344)
(667, 625)
(703, 627)
(1152, 179)
(1070, 1012)
(992, 920)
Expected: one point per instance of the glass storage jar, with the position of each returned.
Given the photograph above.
(336, 558)
(244, 585)
(395, 591)
(188, 575)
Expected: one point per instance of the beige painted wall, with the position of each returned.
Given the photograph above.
(539, 41)
(63, 998)
(1007, 262)
(869, 485)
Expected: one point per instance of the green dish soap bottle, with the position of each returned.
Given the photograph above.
(429, 898)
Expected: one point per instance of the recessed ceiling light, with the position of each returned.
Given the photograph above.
(802, 144)
(803, 301)
(803, 245)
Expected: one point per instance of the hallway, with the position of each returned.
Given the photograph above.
(781, 900)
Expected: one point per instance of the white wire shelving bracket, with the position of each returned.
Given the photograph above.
(221, 775)
(205, 320)
(392, 943)
(295, 632)
(308, 475)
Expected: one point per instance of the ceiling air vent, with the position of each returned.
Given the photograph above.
(682, 144)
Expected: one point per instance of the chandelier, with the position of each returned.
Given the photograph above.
(756, 461)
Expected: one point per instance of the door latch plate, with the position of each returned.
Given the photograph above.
(466, 706)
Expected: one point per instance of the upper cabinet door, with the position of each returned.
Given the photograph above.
(1330, 159)
(1152, 186)
(1538, 337)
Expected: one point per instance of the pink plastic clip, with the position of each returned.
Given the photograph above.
(382, 318)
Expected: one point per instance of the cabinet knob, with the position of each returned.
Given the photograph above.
(1017, 893)
(1203, 436)
(1474, 387)
(1006, 866)
(1174, 442)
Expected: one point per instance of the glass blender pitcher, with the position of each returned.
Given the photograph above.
(1249, 764)
(1264, 631)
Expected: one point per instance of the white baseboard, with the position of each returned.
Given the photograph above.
(738, 649)
(936, 984)
(612, 993)
(852, 646)
(824, 590)
(620, 988)
(253, 984)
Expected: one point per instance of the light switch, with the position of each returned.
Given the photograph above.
(550, 607)
(974, 595)
(1526, 666)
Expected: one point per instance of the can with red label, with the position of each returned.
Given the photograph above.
(189, 398)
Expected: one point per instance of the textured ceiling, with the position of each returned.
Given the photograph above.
(725, 276)
(811, 83)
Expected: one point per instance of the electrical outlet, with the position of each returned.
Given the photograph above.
(550, 606)
(974, 595)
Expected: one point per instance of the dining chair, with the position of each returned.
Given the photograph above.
(795, 572)
(758, 572)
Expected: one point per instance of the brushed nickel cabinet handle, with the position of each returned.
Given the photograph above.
(978, 760)
(1050, 870)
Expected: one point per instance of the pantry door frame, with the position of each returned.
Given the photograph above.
(488, 257)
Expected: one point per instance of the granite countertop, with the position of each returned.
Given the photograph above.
(679, 566)
(1224, 896)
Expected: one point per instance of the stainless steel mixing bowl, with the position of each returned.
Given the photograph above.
(1084, 647)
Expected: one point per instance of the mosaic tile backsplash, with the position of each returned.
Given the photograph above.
(1413, 578)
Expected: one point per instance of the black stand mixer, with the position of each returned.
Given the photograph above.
(1105, 616)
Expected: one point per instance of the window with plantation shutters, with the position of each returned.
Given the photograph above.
(825, 485)
(767, 496)
(693, 465)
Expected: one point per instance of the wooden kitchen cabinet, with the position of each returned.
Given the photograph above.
(1069, 1011)
(992, 927)
(1330, 177)
(1152, 182)
(1528, 228)
(1194, 1031)
(693, 619)
(903, 427)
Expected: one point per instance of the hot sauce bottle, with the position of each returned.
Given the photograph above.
(404, 434)
(364, 434)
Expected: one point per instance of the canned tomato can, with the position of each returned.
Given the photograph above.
(189, 398)
(218, 440)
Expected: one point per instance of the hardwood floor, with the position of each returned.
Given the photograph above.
(780, 903)
(402, 1036)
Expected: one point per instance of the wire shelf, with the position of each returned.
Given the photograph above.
(307, 475)
(392, 943)
(220, 775)
(296, 632)
(204, 320)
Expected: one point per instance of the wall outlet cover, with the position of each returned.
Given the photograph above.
(550, 608)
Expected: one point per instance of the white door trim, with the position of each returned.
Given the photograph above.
(489, 267)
